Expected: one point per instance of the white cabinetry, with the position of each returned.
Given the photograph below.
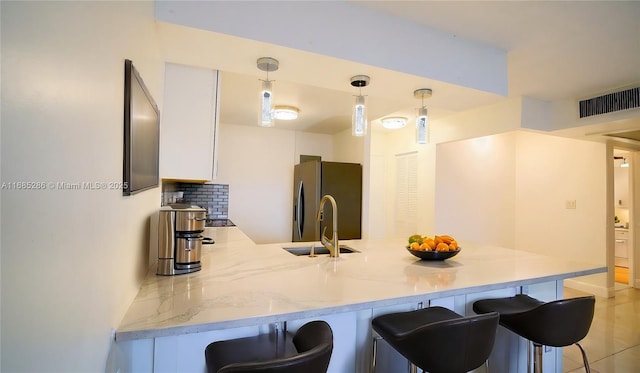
(352, 339)
(189, 123)
(621, 248)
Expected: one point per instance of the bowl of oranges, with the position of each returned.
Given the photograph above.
(433, 248)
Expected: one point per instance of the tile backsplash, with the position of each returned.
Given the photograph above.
(212, 197)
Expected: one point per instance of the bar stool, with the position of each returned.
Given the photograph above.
(436, 339)
(557, 323)
(309, 351)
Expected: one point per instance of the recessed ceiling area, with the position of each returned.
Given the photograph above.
(556, 51)
(319, 86)
(321, 110)
(628, 135)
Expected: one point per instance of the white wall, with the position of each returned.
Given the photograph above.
(379, 219)
(385, 146)
(313, 144)
(72, 260)
(482, 121)
(511, 189)
(475, 189)
(550, 171)
(257, 163)
(580, 232)
(0, 210)
(634, 224)
(348, 148)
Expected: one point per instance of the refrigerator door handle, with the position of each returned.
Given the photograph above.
(300, 209)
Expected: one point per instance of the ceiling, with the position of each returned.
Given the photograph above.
(557, 50)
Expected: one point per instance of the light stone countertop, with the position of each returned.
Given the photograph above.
(243, 284)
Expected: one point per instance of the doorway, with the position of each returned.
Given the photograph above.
(624, 206)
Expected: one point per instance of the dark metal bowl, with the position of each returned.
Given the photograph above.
(434, 255)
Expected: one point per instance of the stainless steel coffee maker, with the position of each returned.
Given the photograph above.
(180, 238)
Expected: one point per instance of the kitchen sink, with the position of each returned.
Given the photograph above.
(319, 250)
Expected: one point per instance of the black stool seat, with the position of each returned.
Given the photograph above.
(439, 340)
(557, 323)
(307, 351)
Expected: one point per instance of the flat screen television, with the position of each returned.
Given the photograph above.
(141, 134)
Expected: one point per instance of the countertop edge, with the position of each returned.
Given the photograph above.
(122, 336)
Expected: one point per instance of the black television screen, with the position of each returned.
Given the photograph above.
(141, 134)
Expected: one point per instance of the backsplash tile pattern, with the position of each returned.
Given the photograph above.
(213, 197)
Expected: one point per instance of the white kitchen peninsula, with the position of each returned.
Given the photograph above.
(244, 289)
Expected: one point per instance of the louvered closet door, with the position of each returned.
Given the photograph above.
(406, 194)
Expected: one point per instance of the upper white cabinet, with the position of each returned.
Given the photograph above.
(621, 186)
(189, 123)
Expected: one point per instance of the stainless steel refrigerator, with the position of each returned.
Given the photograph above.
(314, 179)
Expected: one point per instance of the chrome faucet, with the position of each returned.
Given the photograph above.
(331, 245)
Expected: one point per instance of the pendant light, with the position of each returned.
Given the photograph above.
(422, 126)
(359, 117)
(624, 163)
(266, 92)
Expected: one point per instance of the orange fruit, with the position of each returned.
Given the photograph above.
(415, 246)
(446, 239)
(442, 247)
(431, 243)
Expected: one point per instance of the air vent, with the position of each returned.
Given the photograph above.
(616, 101)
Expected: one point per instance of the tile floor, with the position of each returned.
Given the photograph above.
(613, 342)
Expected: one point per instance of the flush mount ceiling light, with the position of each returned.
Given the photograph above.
(285, 112)
(394, 123)
(267, 64)
(359, 118)
(422, 126)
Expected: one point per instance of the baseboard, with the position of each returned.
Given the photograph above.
(598, 290)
